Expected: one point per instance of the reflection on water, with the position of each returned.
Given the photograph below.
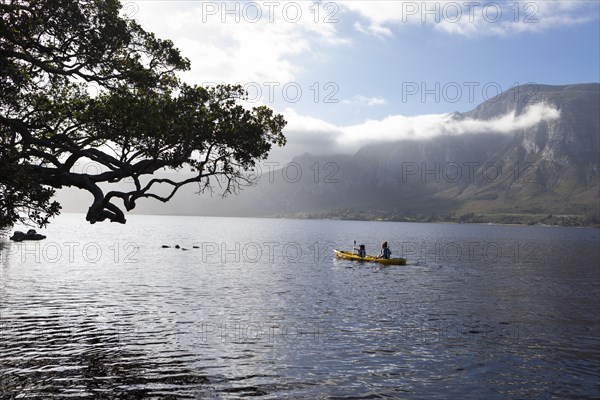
(260, 308)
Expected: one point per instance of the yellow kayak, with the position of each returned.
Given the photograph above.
(346, 255)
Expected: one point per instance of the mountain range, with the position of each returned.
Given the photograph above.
(521, 170)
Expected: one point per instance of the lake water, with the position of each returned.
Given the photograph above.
(261, 308)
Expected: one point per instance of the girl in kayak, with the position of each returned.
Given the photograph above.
(385, 251)
(361, 251)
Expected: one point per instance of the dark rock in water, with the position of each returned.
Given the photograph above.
(31, 234)
(183, 248)
(164, 246)
(196, 247)
(177, 246)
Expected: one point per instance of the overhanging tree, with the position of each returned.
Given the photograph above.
(80, 83)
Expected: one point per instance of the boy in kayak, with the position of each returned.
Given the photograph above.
(385, 251)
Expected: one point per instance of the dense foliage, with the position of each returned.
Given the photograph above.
(80, 83)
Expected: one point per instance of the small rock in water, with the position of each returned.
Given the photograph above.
(164, 246)
(196, 247)
(177, 246)
(31, 234)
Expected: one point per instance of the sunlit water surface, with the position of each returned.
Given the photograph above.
(261, 308)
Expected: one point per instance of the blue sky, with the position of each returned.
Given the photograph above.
(347, 73)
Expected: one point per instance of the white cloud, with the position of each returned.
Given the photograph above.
(373, 30)
(308, 134)
(364, 100)
(474, 18)
(507, 123)
(241, 41)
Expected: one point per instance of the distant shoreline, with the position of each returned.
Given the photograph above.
(539, 220)
(507, 219)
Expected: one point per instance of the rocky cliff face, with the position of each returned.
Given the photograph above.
(571, 139)
(557, 161)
